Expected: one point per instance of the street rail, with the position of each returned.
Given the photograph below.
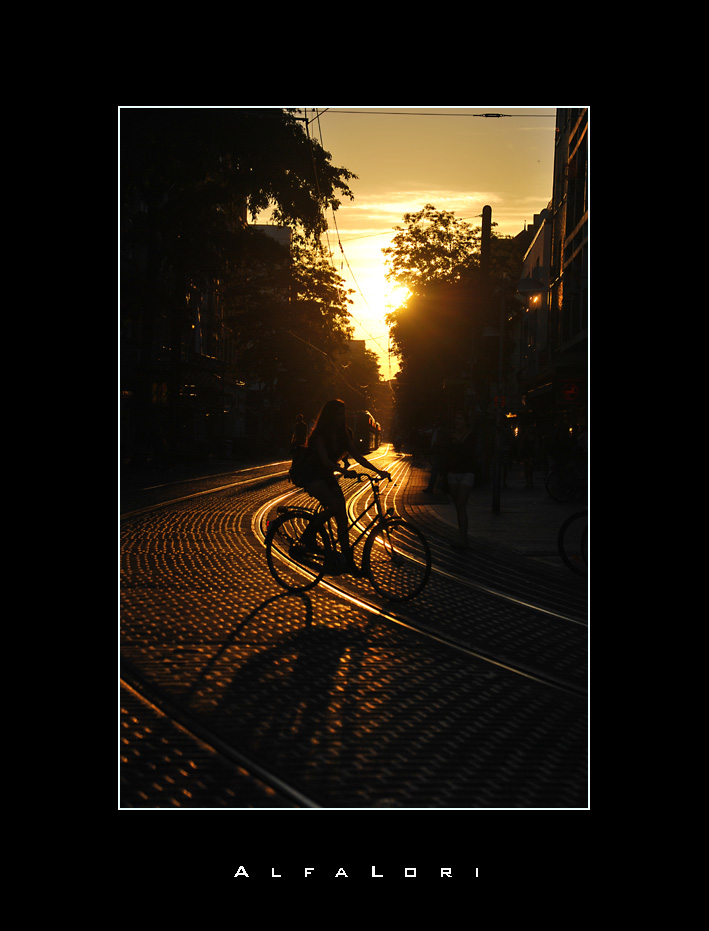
(259, 492)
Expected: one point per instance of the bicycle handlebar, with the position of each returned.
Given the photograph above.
(361, 476)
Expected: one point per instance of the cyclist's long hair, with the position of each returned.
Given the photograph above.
(329, 427)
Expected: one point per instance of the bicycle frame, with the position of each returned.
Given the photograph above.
(376, 503)
(395, 558)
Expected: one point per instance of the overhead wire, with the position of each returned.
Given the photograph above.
(344, 256)
(336, 368)
(362, 112)
(316, 118)
(389, 232)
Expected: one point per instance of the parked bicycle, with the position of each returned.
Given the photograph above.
(573, 542)
(301, 548)
(566, 483)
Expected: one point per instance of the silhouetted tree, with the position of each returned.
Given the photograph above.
(434, 247)
(291, 320)
(438, 332)
(190, 177)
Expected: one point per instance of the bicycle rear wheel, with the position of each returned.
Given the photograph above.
(573, 542)
(297, 564)
(397, 560)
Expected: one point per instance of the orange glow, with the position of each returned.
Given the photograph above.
(413, 156)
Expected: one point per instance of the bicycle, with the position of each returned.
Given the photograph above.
(573, 542)
(301, 548)
(566, 483)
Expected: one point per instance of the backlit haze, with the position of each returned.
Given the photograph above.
(407, 157)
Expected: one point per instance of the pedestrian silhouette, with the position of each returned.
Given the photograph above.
(505, 442)
(461, 465)
(439, 442)
(300, 432)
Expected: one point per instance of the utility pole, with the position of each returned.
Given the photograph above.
(488, 298)
(485, 244)
(497, 468)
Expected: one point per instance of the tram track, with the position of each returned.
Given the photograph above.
(228, 751)
(220, 759)
(439, 550)
(437, 547)
(267, 478)
(406, 616)
(357, 595)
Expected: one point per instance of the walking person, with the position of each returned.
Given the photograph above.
(461, 465)
(505, 441)
(529, 452)
(439, 440)
(300, 432)
(330, 442)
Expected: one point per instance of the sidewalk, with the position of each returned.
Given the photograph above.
(527, 522)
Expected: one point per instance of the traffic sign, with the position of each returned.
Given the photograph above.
(570, 391)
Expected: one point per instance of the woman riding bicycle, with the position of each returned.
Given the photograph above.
(331, 441)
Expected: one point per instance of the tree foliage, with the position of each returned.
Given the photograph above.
(436, 256)
(208, 165)
(438, 331)
(190, 178)
(433, 248)
(289, 316)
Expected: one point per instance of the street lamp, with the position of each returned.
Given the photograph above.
(529, 287)
(526, 288)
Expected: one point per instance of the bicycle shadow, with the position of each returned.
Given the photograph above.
(241, 624)
(288, 701)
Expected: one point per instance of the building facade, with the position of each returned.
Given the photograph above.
(552, 328)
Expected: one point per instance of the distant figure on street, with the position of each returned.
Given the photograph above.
(527, 440)
(461, 464)
(439, 441)
(560, 446)
(505, 449)
(528, 452)
(300, 432)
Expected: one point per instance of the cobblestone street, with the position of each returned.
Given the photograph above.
(236, 694)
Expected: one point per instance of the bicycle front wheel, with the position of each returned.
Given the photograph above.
(573, 542)
(297, 550)
(397, 560)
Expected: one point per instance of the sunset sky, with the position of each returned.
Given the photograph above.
(406, 157)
